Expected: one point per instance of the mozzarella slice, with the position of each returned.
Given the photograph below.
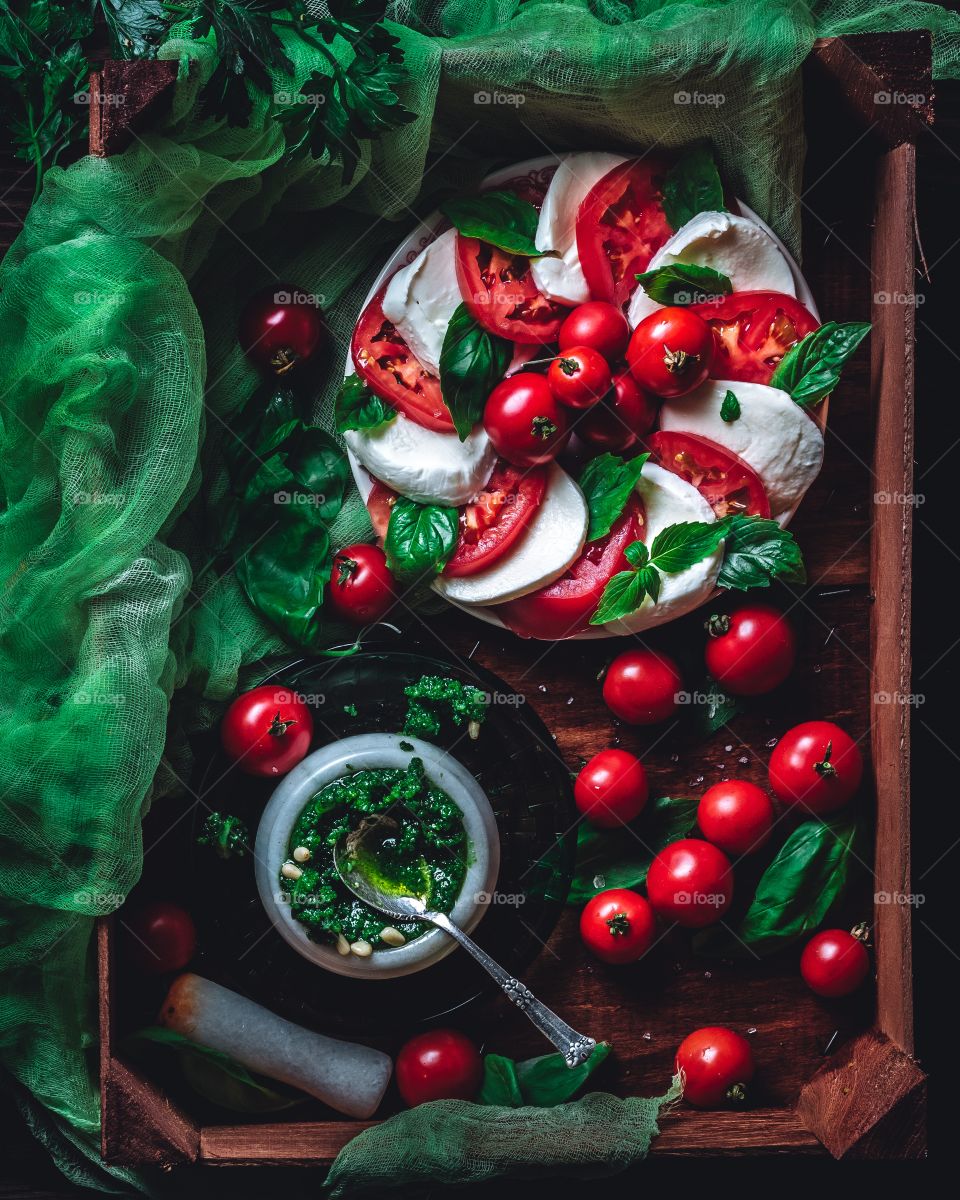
(773, 435)
(552, 541)
(561, 278)
(668, 500)
(426, 465)
(735, 246)
(421, 298)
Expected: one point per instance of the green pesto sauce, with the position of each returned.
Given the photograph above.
(424, 853)
(432, 694)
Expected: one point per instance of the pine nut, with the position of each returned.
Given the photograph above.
(361, 949)
(343, 946)
(474, 730)
(301, 854)
(290, 870)
(393, 937)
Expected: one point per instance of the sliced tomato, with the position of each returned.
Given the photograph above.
(389, 367)
(564, 608)
(620, 226)
(490, 524)
(729, 486)
(379, 505)
(499, 291)
(752, 331)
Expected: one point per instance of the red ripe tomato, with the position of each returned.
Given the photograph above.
(389, 367)
(834, 962)
(498, 289)
(751, 650)
(379, 505)
(281, 328)
(816, 764)
(735, 815)
(620, 226)
(725, 481)
(599, 325)
(690, 882)
(611, 789)
(439, 1065)
(618, 926)
(621, 418)
(670, 351)
(159, 937)
(524, 421)
(490, 524)
(564, 608)
(361, 584)
(716, 1065)
(267, 731)
(752, 331)
(641, 687)
(579, 377)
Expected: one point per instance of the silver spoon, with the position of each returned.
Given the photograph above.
(575, 1047)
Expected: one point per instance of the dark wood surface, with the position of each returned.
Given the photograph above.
(832, 527)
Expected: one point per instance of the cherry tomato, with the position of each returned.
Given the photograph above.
(564, 607)
(611, 789)
(834, 962)
(816, 764)
(498, 289)
(751, 650)
(492, 522)
(361, 584)
(388, 366)
(580, 377)
(159, 937)
(441, 1064)
(618, 926)
(621, 418)
(717, 1065)
(281, 328)
(669, 353)
(267, 731)
(599, 325)
(690, 882)
(642, 687)
(752, 331)
(620, 226)
(725, 481)
(735, 815)
(524, 421)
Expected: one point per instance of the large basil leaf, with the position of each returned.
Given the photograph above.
(420, 538)
(500, 1083)
(620, 858)
(808, 875)
(692, 186)
(500, 218)
(684, 283)
(285, 566)
(757, 551)
(472, 363)
(811, 369)
(540, 1082)
(357, 407)
(607, 483)
(270, 415)
(308, 471)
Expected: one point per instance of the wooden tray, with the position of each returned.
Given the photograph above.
(835, 1079)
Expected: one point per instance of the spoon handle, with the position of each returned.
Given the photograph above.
(575, 1047)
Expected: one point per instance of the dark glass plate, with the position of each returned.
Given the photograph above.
(527, 785)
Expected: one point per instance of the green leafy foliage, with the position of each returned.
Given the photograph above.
(136, 27)
(541, 1082)
(730, 408)
(811, 369)
(684, 283)
(757, 551)
(472, 363)
(227, 835)
(500, 218)
(357, 407)
(607, 483)
(692, 186)
(420, 538)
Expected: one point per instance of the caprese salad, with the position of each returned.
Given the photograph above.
(582, 407)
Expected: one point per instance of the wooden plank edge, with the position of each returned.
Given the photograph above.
(104, 1012)
(126, 96)
(892, 385)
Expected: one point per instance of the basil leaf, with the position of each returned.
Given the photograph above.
(357, 407)
(692, 186)
(309, 471)
(268, 418)
(808, 875)
(637, 554)
(607, 484)
(623, 595)
(684, 283)
(620, 858)
(682, 545)
(756, 551)
(547, 1080)
(500, 1083)
(710, 708)
(811, 369)
(420, 538)
(472, 363)
(730, 408)
(500, 218)
(284, 569)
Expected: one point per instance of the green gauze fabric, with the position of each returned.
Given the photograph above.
(452, 1142)
(119, 372)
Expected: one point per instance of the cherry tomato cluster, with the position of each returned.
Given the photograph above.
(587, 387)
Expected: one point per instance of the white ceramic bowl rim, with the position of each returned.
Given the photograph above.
(363, 752)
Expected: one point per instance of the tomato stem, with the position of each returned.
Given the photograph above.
(618, 924)
(825, 767)
(677, 361)
(717, 624)
(737, 1093)
(861, 932)
(279, 727)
